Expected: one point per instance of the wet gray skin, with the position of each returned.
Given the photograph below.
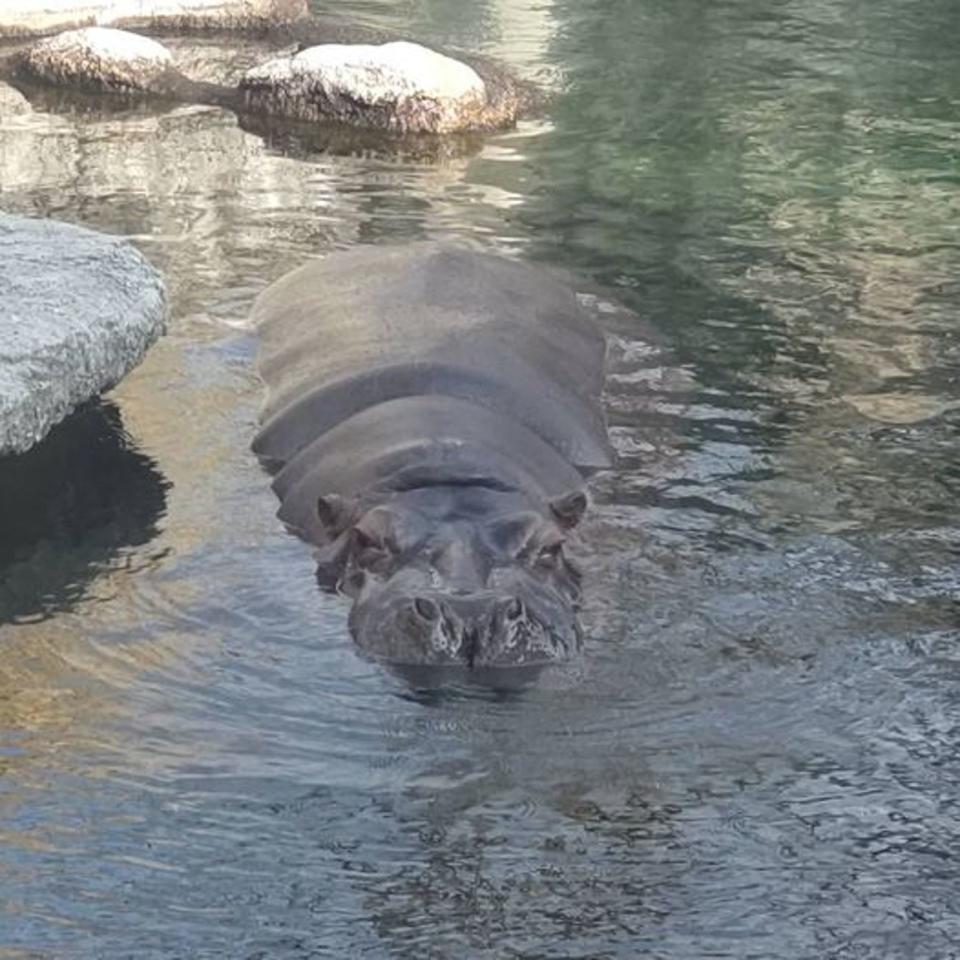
(431, 416)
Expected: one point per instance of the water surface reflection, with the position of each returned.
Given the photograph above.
(68, 507)
(758, 755)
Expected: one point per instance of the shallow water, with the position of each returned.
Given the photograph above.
(757, 757)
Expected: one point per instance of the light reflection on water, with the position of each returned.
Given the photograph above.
(758, 755)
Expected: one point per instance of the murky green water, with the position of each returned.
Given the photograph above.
(759, 755)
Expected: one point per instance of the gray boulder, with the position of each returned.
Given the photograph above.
(78, 310)
(395, 86)
(399, 86)
(36, 17)
(97, 58)
(12, 102)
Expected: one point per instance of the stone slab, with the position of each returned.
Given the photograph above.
(398, 86)
(78, 310)
(97, 57)
(12, 102)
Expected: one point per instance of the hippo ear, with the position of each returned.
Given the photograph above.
(374, 529)
(335, 513)
(569, 509)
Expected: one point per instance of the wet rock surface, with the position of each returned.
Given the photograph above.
(96, 58)
(37, 17)
(299, 69)
(400, 86)
(78, 310)
(12, 102)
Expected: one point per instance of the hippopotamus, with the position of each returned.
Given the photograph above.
(432, 413)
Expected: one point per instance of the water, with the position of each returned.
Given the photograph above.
(758, 755)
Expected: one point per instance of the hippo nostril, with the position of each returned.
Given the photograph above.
(513, 610)
(427, 609)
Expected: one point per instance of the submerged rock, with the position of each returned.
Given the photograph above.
(98, 58)
(399, 86)
(78, 310)
(35, 17)
(12, 102)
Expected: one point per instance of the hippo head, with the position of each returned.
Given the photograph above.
(439, 578)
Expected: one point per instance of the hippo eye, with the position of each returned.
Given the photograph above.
(513, 610)
(551, 553)
(375, 531)
(371, 552)
(364, 541)
(427, 609)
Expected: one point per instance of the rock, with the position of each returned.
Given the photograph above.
(12, 102)
(78, 310)
(98, 58)
(399, 86)
(36, 17)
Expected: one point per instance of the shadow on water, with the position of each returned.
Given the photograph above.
(83, 104)
(69, 506)
(301, 140)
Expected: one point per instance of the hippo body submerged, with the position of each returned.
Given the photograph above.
(431, 414)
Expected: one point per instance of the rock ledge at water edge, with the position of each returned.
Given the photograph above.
(12, 103)
(36, 17)
(78, 310)
(98, 58)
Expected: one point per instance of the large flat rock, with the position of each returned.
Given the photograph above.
(36, 17)
(78, 310)
(399, 86)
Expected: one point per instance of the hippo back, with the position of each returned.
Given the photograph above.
(365, 327)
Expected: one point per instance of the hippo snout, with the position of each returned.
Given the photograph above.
(471, 623)
(469, 629)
